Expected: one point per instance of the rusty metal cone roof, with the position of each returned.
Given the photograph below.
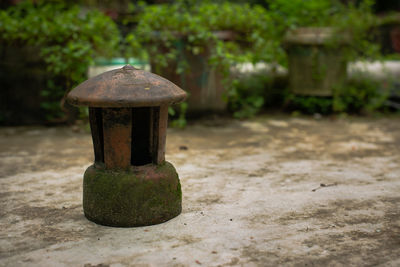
(126, 87)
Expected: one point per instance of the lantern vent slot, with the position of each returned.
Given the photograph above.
(142, 136)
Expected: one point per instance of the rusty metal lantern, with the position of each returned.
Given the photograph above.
(130, 183)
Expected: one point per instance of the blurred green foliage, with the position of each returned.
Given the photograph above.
(354, 19)
(350, 19)
(358, 95)
(196, 23)
(309, 104)
(164, 30)
(68, 38)
(252, 92)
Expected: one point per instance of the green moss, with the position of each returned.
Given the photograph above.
(144, 195)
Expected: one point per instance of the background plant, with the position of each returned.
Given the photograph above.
(358, 95)
(353, 20)
(196, 23)
(169, 30)
(260, 37)
(68, 38)
(251, 92)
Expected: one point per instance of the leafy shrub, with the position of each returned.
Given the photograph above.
(355, 20)
(355, 96)
(68, 38)
(196, 22)
(346, 19)
(246, 97)
(171, 31)
(310, 104)
(252, 92)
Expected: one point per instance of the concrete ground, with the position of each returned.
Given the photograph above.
(271, 191)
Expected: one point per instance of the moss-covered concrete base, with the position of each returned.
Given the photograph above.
(143, 195)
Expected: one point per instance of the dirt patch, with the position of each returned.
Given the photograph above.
(50, 216)
(210, 199)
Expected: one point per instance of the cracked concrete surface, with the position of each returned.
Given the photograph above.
(247, 197)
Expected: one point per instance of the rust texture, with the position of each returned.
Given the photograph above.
(117, 130)
(160, 137)
(124, 137)
(153, 145)
(96, 127)
(126, 87)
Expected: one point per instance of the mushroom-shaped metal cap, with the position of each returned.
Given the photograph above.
(126, 87)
